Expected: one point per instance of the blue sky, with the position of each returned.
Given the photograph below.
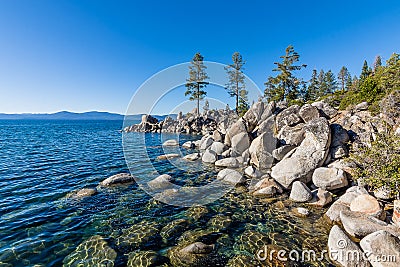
(93, 55)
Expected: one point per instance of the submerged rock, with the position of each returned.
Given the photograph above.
(189, 255)
(121, 178)
(93, 252)
(82, 193)
(192, 157)
(142, 234)
(219, 222)
(163, 181)
(147, 258)
(173, 229)
(171, 142)
(168, 156)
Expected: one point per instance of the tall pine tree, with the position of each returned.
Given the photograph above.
(311, 93)
(285, 86)
(236, 78)
(243, 103)
(377, 63)
(330, 81)
(197, 80)
(344, 76)
(366, 71)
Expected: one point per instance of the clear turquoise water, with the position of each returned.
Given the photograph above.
(42, 161)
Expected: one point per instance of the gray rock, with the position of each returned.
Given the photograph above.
(240, 143)
(384, 193)
(292, 135)
(209, 156)
(267, 126)
(343, 203)
(206, 142)
(329, 178)
(300, 192)
(82, 193)
(268, 111)
(309, 155)
(358, 224)
(321, 198)
(325, 109)
(171, 142)
(261, 151)
(381, 245)
(288, 117)
(227, 153)
(192, 157)
(217, 136)
(236, 128)
(218, 147)
(302, 212)
(308, 112)
(281, 152)
(231, 176)
(189, 145)
(267, 187)
(168, 156)
(339, 135)
(361, 106)
(198, 248)
(339, 152)
(343, 250)
(252, 172)
(366, 204)
(228, 162)
(121, 178)
(164, 181)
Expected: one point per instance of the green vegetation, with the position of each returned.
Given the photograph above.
(197, 80)
(285, 85)
(236, 85)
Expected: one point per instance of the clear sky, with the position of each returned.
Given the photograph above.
(92, 55)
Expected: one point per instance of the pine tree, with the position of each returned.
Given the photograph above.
(235, 78)
(344, 76)
(377, 63)
(243, 105)
(197, 80)
(285, 86)
(331, 83)
(366, 71)
(349, 83)
(323, 87)
(311, 93)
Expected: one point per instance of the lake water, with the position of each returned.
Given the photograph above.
(42, 161)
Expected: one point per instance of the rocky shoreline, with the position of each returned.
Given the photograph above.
(296, 151)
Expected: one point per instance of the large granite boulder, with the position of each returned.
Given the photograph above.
(240, 143)
(329, 178)
(308, 112)
(292, 135)
(282, 151)
(381, 245)
(308, 156)
(171, 142)
(209, 156)
(343, 250)
(325, 109)
(267, 187)
(300, 192)
(228, 162)
(231, 176)
(218, 147)
(162, 182)
(366, 204)
(261, 151)
(288, 116)
(343, 203)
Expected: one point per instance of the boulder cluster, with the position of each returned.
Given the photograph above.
(190, 123)
(301, 150)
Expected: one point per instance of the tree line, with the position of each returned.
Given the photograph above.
(341, 89)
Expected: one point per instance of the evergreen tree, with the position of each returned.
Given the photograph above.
(377, 63)
(285, 86)
(197, 80)
(330, 81)
(349, 83)
(366, 71)
(344, 76)
(243, 105)
(323, 87)
(311, 93)
(236, 78)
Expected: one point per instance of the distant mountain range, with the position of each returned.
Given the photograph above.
(66, 115)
